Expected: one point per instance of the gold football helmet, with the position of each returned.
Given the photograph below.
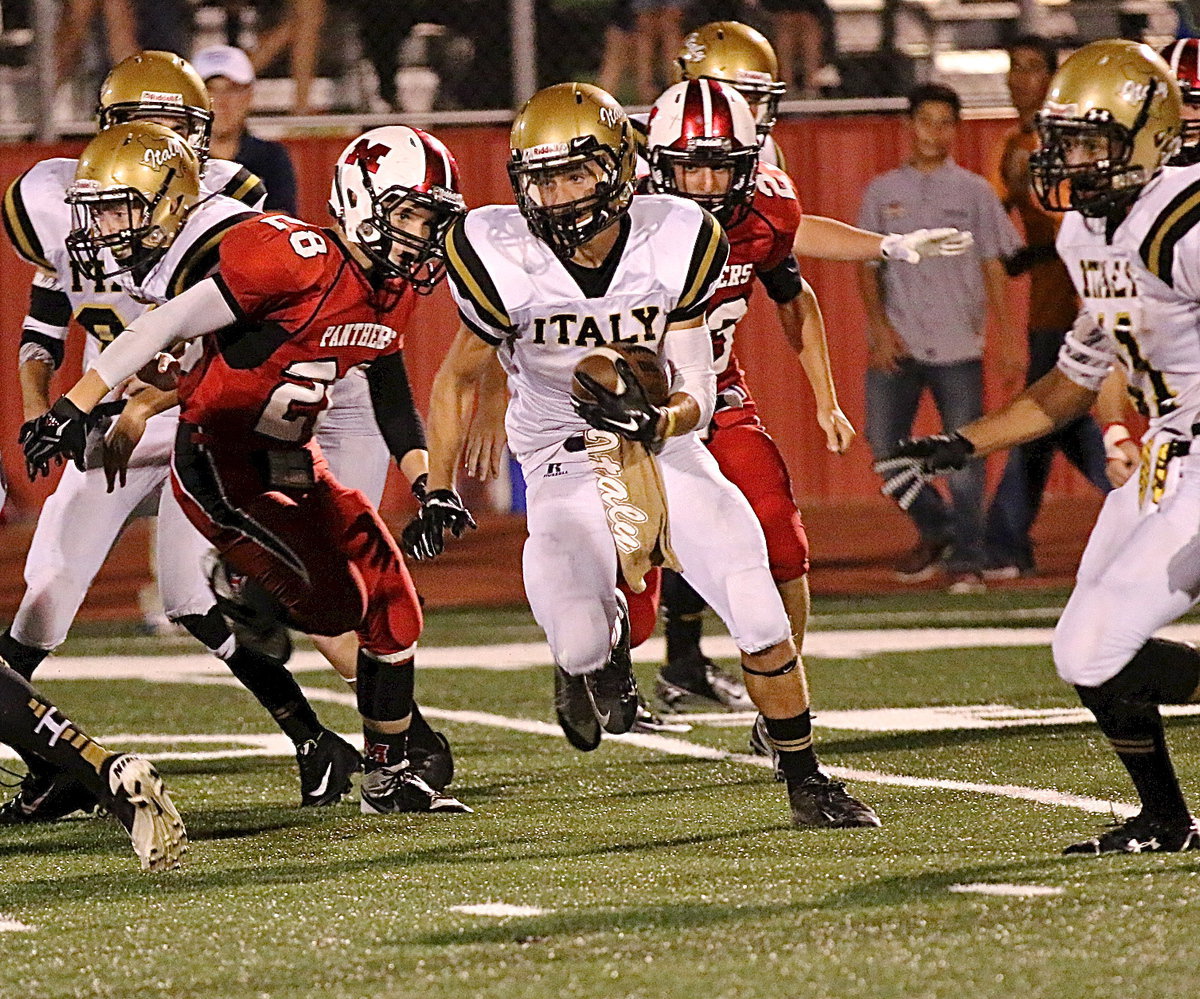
(134, 187)
(161, 86)
(1111, 120)
(573, 164)
(734, 53)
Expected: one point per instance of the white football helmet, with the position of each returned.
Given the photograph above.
(379, 172)
(705, 123)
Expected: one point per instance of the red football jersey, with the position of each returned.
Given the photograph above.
(307, 316)
(757, 244)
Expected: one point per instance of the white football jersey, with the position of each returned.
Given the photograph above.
(1142, 289)
(38, 220)
(514, 293)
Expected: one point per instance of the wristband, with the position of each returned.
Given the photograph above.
(669, 429)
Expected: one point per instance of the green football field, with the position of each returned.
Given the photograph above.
(654, 867)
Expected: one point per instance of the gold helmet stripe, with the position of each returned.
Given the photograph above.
(245, 187)
(202, 257)
(1173, 223)
(472, 278)
(708, 260)
(20, 229)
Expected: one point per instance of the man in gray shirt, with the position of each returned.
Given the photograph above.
(925, 325)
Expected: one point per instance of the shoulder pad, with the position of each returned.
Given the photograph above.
(233, 181)
(196, 250)
(36, 215)
(269, 258)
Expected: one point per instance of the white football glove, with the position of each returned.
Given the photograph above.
(913, 247)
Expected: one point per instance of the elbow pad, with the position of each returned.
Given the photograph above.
(1087, 355)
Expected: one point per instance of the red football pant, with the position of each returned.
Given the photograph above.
(324, 553)
(750, 459)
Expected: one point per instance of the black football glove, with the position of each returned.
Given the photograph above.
(441, 511)
(629, 414)
(915, 461)
(60, 432)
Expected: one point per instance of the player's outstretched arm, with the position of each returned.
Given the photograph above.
(486, 437)
(829, 239)
(804, 328)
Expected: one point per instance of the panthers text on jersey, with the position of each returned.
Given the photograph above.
(308, 315)
(1142, 288)
(544, 314)
(38, 219)
(760, 247)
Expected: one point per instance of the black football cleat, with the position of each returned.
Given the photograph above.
(431, 759)
(612, 688)
(649, 723)
(397, 789)
(46, 795)
(326, 765)
(821, 803)
(760, 745)
(141, 804)
(1143, 834)
(574, 710)
(700, 682)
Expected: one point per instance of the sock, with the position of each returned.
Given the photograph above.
(683, 625)
(277, 691)
(24, 659)
(792, 739)
(1161, 672)
(385, 701)
(32, 724)
(1136, 734)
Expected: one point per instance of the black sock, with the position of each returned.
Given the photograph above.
(683, 625)
(277, 691)
(385, 701)
(31, 724)
(1135, 732)
(792, 739)
(1161, 672)
(24, 659)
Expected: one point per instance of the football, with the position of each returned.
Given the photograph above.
(600, 364)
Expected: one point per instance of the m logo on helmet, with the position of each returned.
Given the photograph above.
(369, 153)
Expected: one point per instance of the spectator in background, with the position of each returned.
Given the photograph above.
(803, 35)
(297, 33)
(229, 76)
(658, 38)
(925, 326)
(75, 20)
(1052, 308)
(618, 38)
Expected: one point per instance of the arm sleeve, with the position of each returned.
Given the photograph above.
(783, 281)
(479, 303)
(44, 330)
(199, 310)
(395, 412)
(710, 253)
(689, 351)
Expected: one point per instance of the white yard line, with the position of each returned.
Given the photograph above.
(499, 909)
(1006, 890)
(14, 926)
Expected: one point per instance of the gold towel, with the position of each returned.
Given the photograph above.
(635, 504)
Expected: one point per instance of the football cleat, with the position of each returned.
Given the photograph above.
(680, 684)
(256, 618)
(141, 804)
(651, 724)
(822, 803)
(1143, 834)
(430, 757)
(612, 689)
(395, 789)
(574, 710)
(760, 745)
(326, 765)
(46, 795)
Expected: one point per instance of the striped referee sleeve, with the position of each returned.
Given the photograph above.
(479, 303)
(709, 255)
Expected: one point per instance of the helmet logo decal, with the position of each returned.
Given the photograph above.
(1133, 92)
(546, 149)
(161, 97)
(693, 49)
(158, 156)
(610, 116)
(368, 153)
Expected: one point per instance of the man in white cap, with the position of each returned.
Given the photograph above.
(229, 76)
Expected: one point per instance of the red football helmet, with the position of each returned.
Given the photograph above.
(704, 123)
(1183, 57)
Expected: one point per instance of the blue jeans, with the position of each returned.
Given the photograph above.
(892, 400)
(1018, 498)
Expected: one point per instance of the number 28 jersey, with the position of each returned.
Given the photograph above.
(307, 316)
(1142, 289)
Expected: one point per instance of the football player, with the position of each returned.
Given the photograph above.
(1183, 56)
(136, 229)
(292, 309)
(576, 263)
(1130, 238)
